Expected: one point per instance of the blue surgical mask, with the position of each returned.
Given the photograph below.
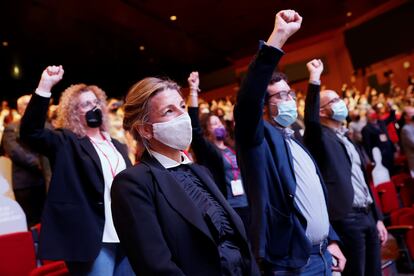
(287, 113)
(339, 111)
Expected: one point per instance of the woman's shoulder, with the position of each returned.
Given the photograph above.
(139, 174)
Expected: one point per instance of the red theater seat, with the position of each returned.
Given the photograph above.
(51, 269)
(17, 254)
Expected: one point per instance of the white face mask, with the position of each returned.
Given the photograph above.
(176, 133)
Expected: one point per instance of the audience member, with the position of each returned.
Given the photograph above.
(77, 224)
(211, 150)
(352, 211)
(290, 225)
(170, 216)
(407, 138)
(27, 171)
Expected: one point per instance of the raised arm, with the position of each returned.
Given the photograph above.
(248, 113)
(32, 128)
(204, 150)
(313, 126)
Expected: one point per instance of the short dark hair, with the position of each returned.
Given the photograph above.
(276, 77)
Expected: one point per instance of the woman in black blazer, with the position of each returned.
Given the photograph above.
(169, 215)
(77, 223)
(211, 150)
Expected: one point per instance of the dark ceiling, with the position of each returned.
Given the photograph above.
(98, 41)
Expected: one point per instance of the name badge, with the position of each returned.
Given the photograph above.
(383, 138)
(237, 187)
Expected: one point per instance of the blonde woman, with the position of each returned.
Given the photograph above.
(77, 222)
(169, 214)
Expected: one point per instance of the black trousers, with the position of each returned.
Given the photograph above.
(360, 243)
(31, 200)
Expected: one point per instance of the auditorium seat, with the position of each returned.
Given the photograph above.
(51, 269)
(17, 254)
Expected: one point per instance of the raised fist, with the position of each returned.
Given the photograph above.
(288, 22)
(50, 76)
(315, 68)
(194, 81)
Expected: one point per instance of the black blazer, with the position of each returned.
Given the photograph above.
(26, 164)
(333, 160)
(161, 229)
(73, 217)
(371, 139)
(278, 229)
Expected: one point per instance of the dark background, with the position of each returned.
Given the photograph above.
(98, 41)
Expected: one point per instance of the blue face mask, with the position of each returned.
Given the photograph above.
(287, 113)
(339, 111)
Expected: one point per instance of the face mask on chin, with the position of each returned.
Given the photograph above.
(93, 117)
(176, 133)
(287, 113)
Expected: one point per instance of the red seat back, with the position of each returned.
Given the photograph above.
(408, 219)
(17, 254)
(388, 197)
(56, 268)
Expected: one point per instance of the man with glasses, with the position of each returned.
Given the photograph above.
(352, 211)
(290, 230)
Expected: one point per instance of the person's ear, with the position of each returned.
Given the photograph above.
(324, 113)
(145, 131)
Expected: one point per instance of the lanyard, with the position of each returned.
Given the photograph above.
(234, 168)
(113, 171)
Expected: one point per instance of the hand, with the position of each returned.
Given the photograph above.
(382, 232)
(287, 22)
(336, 253)
(315, 68)
(50, 76)
(194, 81)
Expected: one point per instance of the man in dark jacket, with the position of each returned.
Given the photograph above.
(290, 231)
(375, 134)
(352, 211)
(27, 175)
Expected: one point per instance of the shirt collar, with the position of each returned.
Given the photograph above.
(169, 163)
(342, 131)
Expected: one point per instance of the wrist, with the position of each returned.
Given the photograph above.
(194, 89)
(277, 39)
(43, 93)
(44, 86)
(315, 81)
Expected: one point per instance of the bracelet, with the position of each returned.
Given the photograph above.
(193, 94)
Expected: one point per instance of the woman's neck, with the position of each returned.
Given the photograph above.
(219, 144)
(171, 153)
(94, 133)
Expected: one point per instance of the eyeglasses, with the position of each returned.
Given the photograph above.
(89, 104)
(334, 100)
(284, 95)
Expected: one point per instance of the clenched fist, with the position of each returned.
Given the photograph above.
(50, 77)
(315, 68)
(287, 23)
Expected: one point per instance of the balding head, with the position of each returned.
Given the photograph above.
(409, 113)
(22, 103)
(328, 96)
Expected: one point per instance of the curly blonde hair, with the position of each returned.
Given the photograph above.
(136, 107)
(68, 111)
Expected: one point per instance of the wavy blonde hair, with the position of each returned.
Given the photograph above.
(68, 111)
(136, 107)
